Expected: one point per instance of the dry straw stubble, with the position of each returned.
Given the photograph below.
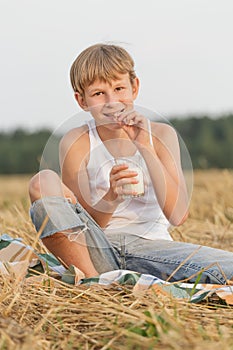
(42, 313)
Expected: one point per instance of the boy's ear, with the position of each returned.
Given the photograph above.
(135, 87)
(81, 101)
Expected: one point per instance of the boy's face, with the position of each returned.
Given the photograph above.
(107, 101)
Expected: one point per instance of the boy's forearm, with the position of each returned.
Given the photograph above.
(169, 188)
(103, 210)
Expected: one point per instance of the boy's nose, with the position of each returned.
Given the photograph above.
(112, 106)
(109, 105)
(110, 101)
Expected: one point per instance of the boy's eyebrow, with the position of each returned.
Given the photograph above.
(99, 86)
(91, 90)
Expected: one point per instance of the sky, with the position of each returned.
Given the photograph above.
(182, 49)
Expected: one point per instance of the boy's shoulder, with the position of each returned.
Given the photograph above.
(74, 136)
(78, 131)
(162, 130)
(165, 135)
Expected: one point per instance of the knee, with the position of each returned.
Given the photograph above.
(40, 182)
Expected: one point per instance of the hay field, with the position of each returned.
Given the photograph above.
(42, 313)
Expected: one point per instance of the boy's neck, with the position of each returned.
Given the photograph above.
(105, 133)
(116, 141)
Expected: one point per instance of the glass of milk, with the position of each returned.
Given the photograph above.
(135, 164)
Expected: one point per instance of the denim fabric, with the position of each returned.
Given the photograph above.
(162, 257)
(61, 215)
(64, 216)
(156, 257)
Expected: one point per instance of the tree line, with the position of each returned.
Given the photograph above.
(209, 142)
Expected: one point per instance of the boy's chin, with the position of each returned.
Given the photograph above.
(110, 123)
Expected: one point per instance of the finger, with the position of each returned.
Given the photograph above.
(124, 177)
(124, 192)
(135, 120)
(126, 181)
(116, 168)
(126, 115)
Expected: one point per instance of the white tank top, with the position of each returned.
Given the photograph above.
(140, 216)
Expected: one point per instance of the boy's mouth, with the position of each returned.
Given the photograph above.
(114, 115)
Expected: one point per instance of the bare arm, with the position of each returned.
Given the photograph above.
(162, 156)
(74, 156)
(163, 163)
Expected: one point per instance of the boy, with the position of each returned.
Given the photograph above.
(92, 194)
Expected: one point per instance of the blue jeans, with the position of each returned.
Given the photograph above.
(162, 258)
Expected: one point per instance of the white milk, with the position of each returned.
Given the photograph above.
(134, 165)
(139, 187)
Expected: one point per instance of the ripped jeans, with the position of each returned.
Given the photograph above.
(164, 259)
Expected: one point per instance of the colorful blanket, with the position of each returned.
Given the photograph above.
(21, 260)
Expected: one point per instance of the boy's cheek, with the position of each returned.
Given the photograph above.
(96, 109)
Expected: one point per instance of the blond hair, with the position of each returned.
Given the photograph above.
(102, 62)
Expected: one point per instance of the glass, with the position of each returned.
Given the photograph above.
(135, 164)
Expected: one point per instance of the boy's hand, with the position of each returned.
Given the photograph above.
(136, 126)
(120, 176)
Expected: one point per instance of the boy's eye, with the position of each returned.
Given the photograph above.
(119, 88)
(98, 93)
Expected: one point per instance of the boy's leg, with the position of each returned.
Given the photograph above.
(47, 183)
(70, 234)
(175, 261)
